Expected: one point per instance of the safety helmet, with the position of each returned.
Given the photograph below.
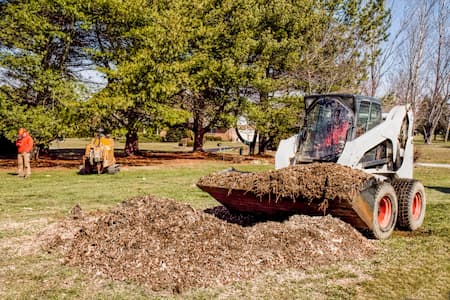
(22, 131)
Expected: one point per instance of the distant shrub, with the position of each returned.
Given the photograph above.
(6, 146)
(175, 134)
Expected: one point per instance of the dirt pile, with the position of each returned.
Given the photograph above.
(324, 181)
(167, 245)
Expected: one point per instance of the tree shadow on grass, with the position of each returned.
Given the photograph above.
(445, 190)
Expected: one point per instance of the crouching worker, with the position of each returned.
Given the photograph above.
(24, 144)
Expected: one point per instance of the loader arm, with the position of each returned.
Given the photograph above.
(396, 130)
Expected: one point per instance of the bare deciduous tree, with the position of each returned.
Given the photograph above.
(438, 79)
(421, 77)
(413, 52)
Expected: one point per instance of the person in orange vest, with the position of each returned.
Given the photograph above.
(338, 130)
(336, 134)
(24, 144)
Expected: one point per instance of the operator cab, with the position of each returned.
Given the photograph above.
(331, 121)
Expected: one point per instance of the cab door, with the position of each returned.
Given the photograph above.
(368, 116)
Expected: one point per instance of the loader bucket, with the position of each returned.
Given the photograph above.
(356, 212)
(365, 207)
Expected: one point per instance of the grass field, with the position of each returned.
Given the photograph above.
(434, 153)
(408, 266)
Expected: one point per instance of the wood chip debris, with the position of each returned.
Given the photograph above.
(315, 181)
(166, 245)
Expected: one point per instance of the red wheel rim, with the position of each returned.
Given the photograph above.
(384, 212)
(417, 206)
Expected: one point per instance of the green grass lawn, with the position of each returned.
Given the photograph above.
(434, 153)
(409, 265)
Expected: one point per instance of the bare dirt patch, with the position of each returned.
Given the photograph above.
(29, 225)
(166, 245)
(25, 244)
(72, 159)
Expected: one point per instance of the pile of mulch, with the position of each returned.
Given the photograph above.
(167, 245)
(315, 181)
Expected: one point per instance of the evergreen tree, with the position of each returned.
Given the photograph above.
(309, 47)
(40, 42)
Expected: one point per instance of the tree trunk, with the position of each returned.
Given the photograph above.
(199, 132)
(35, 152)
(446, 132)
(252, 145)
(131, 143)
(424, 136)
(39, 149)
(429, 137)
(263, 142)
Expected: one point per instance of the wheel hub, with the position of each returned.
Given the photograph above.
(417, 206)
(384, 212)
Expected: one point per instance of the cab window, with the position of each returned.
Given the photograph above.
(369, 116)
(375, 115)
(363, 118)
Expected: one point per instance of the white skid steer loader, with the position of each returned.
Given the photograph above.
(348, 130)
(366, 141)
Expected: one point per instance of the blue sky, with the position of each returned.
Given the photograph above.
(397, 13)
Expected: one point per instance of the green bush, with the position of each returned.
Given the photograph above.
(175, 134)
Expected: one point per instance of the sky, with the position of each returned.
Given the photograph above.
(397, 9)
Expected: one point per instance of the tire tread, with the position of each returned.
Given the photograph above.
(405, 189)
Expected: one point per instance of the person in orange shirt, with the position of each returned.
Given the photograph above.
(24, 144)
(336, 134)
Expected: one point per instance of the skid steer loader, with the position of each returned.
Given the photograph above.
(99, 156)
(349, 130)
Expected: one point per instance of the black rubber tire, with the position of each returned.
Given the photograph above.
(411, 202)
(384, 211)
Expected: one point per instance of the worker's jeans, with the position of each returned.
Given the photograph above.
(23, 161)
